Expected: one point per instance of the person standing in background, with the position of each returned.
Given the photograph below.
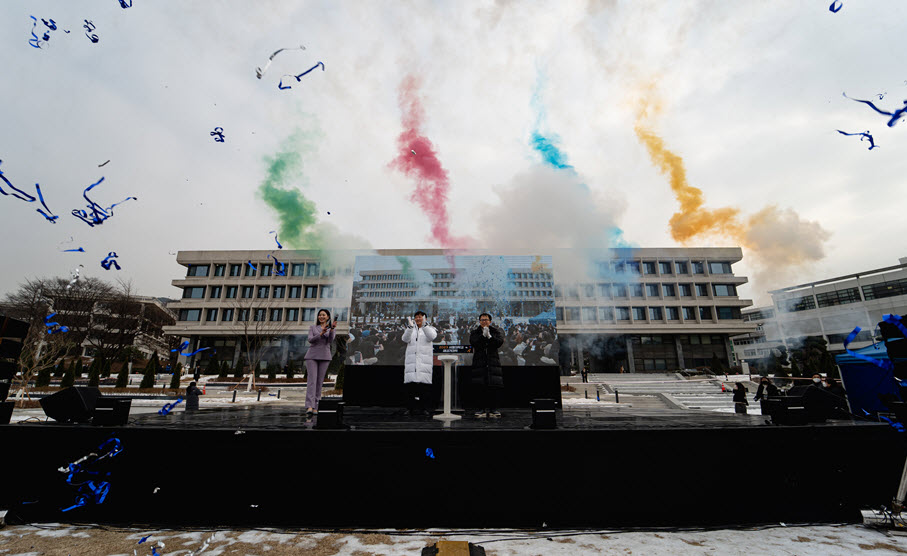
(317, 358)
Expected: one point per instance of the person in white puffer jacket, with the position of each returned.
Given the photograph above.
(417, 370)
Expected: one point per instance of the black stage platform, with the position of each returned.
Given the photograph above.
(602, 467)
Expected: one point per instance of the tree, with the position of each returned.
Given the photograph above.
(40, 350)
(258, 332)
(69, 378)
(224, 370)
(105, 368)
(238, 371)
(716, 366)
(43, 378)
(175, 379)
(94, 374)
(213, 367)
(151, 369)
(61, 369)
(123, 377)
(291, 368)
(272, 371)
(78, 369)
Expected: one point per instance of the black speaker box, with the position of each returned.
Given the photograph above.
(6, 412)
(543, 414)
(76, 404)
(111, 411)
(330, 414)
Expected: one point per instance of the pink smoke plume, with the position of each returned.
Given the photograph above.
(418, 159)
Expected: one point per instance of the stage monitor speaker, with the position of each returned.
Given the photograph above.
(111, 411)
(786, 410)
(543, 414)
(75, 404)
(6, 412)
(330, 414)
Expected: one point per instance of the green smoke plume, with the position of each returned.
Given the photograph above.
(279, 191)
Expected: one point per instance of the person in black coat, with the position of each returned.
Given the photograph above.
(766, 389)
(740, 402)
(486, 372)
(192, 394)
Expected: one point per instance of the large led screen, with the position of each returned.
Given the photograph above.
(518, 292)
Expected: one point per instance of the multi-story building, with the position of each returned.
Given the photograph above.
(648, 309)
(829, 308)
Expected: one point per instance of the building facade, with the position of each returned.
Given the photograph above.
(829, 308)
(647, 309)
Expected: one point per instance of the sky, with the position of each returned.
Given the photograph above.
(453, 124)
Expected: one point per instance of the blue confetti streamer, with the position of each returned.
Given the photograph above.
(280, 269)
(183, 346)
(836, 6)
(429, 453)
(279, 246)
(124, 5)
(34, 41)
(881, 363)
(144, 539)
(89, 26)
(219, 133)
(54, 327)
(194, 352)
(863, 137)
(252, 266)
(896, 320)
(79, 250)
(897, 426)
(23, 196)
(895, 116)
(299, 77)
(169, 407)
(90, 490)
(96, 215)
(108, 261)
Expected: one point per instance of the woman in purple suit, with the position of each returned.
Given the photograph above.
(317, 358)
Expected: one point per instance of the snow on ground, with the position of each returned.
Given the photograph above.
(61, 539)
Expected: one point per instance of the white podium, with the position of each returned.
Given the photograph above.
(448, 360)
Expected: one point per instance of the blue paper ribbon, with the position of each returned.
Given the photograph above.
(108, 260)
(279, 267)
(23, 196)
(429, 453)
(35, 42)
(124, 5)
(299, 77)
(169, 407)
(864, 136)
(836, 6)
(98, 214)
(219, 133)
(279, 246)
(54, 327)
(881, 363)
(895, 116)
(252, 266)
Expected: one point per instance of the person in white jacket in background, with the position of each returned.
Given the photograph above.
(417, 370)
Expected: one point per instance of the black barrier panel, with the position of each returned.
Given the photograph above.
(71, 404)
(382, 386)
(111, 411)
(6, 412)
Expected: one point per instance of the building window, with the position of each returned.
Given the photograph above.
(247, 292)
(885, 289)
(292, 315)
(227, 315)
(250, 269)
(215, 292)
(669, 290)
(327, 291)
(311, 292)
(263, 292)
(341, 313)
(219, 269)
(639, 313)
(794, 304)
(295, 292)
(623, 313)
(235, 269)
(649, 267)
(689, 313)
(705, 313)
(652, 290)
(312, 269)
(197, 270)
(719, 267)
(636, 290)
(686, 290)
(573, 314)
(265, 269)
(276, 314)
(194, 293)
(655, 364)
(210, 315)
(606, 314)
(260, 314)
(702, 290)
(620, 290)
(604, 291)
(673, 313)
(308, 314)
(242, 315)
(728, 313)
(589, 314)
(190, 314)
(838, 297)
(632, 267)
(279, 291)
(681, 267)
(589, 290)
(698, 267)
(655, 313)
(664, 267)
(724, 290)
(231, 292)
